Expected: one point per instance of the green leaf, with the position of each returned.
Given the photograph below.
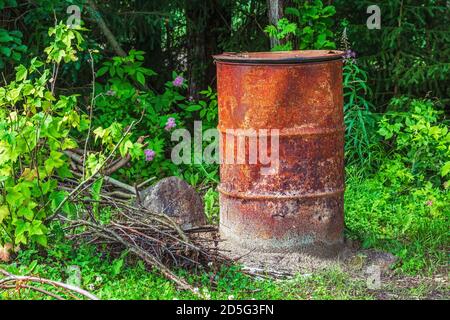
(56, 198)
(16, 34)
(193, 108)
(4, 212)
(31, 267)
(14, 197)
(35, 63)
(120, 72)
(5, 51)
(5, 38)
(41, 239)
(48, 96)
(26, 212)
(69, 144)
(117, 266)
(64, 171)
(328, 11)
(125, 147)
(293, 11)
(140, 78)
(21, 73)
(13, 94)
(96, 188)
(16, 56)
(21, 227)
(102, 71)
(445, 170)
(54, 161)
(48, 186)
(22, 48)
(36, 228)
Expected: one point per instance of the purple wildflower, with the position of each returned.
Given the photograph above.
(178, 82)
(170, 124)
(149, 154)
(429, 203)
(349, 54)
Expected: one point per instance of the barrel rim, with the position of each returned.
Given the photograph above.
(279, 57)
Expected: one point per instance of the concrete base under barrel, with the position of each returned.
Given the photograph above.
(308, 225)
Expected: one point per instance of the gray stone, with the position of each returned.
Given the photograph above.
(177, 199)
(384, 260)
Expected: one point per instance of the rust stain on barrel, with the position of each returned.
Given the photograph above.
(300, 94)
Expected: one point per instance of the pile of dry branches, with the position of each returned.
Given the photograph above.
(153, 237)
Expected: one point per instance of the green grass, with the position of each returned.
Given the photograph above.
(101, 276)
(108, 279)
(411, 222)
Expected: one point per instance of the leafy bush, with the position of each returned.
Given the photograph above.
(11, 49)
(282, 31)
(123, 97)
(419, 139)
(306, 26)
(36, 127)
(203, 173)
(404, 206)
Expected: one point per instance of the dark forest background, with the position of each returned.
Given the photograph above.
(408, 55)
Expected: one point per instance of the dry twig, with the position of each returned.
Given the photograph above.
(11, 281)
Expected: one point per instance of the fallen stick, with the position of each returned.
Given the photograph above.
(18, 280)
(25, 286)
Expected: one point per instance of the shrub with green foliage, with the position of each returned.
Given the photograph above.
(36, 127)
(122, 96)
(11, 47)
(306, 26)
(404, 206)
(360, 122)
(420, 139)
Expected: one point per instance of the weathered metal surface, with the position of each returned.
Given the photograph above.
(301, 206)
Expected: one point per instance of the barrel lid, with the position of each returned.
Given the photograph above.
(279, 57)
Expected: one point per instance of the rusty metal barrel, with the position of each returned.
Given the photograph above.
(299, 95)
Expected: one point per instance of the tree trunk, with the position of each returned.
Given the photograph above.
(206, 21)
(275, 13)
(195, 26)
